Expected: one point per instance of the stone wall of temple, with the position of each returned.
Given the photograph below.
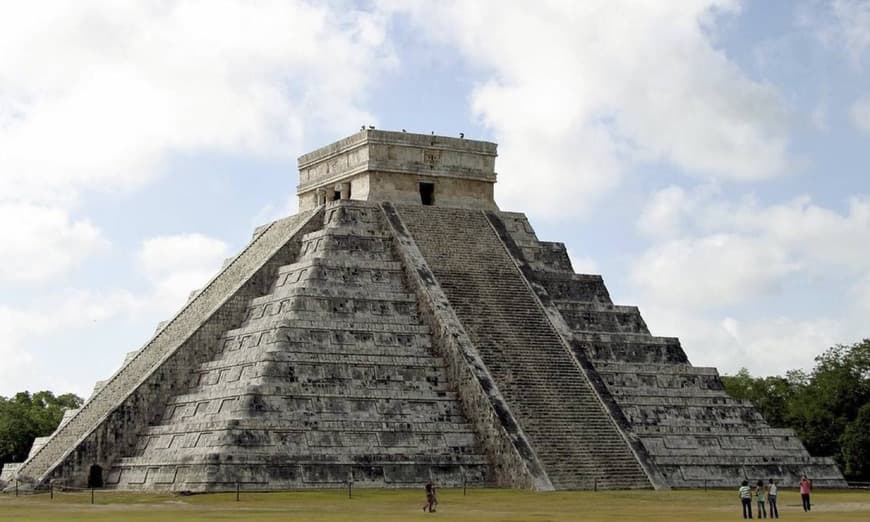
(692, 430)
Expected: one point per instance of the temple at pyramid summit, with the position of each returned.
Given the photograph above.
(402, 328)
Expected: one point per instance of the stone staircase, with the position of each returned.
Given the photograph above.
(574, 438)
(104, 428)
(330, 377)
(693, 431)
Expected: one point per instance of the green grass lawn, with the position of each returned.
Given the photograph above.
(480, 505)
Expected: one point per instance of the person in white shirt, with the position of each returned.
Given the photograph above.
(771, 499)
(745, 494)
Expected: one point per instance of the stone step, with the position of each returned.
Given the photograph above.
(385, 316)
(353, 357)
(706, 429)
(310, 445)
(352, 280)
(656, 398)
(338, 424)
(537, 376)
(240, 457)
(342, 262)
(368, 235)
(326, 325)
(301, 293)
(264, 387)
(412, 356)
(618, 367)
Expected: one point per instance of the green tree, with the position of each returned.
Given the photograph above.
(856, 445)
(23, 417)
(827, 407)
(770, 395)
(837, 388)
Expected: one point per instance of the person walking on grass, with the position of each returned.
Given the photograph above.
(760, 498)
(771, 499)
(806, 485)
(431, 498)
(745, 494)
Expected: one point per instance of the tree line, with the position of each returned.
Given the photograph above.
(23, 417)
(828, 406)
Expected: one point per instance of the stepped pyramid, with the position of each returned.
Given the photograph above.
(400, 328)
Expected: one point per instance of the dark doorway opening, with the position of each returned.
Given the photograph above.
(427, 193)
(336, 195)
(95, 477)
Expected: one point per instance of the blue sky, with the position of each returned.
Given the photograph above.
(708, 158)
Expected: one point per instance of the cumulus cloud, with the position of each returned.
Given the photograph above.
(179, 264)
(173, 266)
(42, 242)
(96, 96)
(583, 264)
(578, 91)
(816, 236)
(853, 24)
(769, 345)
(838, 24)
(711, 271)
(860, 114)
(105, 92)
(22, 328)
(860, 292)
(708, 254)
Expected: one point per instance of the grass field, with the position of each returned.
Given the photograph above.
(405, 505)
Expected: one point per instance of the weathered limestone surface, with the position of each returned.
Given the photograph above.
(571, 432)
(106, 426)
(401, 328)
(8, 473)
(375, 165)
(508, 447)
(330, 377)
(691, 429)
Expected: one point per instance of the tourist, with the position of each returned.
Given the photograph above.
(771, 499)
(806, 486)
(759, 497)
(431, 498)
(745, 494)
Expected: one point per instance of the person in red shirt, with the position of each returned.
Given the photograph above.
(806, 486)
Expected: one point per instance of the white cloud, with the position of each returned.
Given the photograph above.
(712, 270)
(841, 24)
(40, 242)
(708, 253)
(177, 265)
(106, 91)
(96, 96)
(670, 210)
(819, 116)
(860, 292)
(854, 26)
(173, 265)
(23, 329)
(860, 114)
(583, 265)
(274, 211)
(815, 237)
(769, 345)
(577, 91)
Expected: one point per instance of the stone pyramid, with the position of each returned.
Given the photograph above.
(401, 328)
